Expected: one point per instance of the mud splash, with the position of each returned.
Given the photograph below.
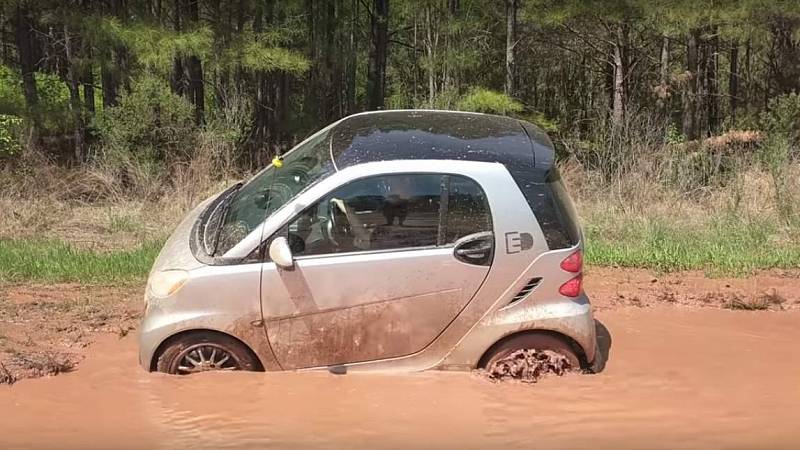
(676, 378)
(528, 366)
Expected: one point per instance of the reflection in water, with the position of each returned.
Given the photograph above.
(676, 378)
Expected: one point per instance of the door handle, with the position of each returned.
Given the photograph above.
(474, 252)
(476, 249)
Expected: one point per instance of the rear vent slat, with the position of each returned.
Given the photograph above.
(527, 289)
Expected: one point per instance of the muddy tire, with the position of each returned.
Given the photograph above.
(531, 341)
(205, 351)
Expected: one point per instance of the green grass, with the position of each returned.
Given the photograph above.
(721, 246)
(124, 224)
(55, 261)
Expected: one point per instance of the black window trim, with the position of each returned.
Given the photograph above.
(442, 229)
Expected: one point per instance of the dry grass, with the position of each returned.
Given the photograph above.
(100, 207)
(762, 303)
(6, 377)
(643, 202)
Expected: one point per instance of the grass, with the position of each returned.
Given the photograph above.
(56, 261)
(124, 224)
(720, 246)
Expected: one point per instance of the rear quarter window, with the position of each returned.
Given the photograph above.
(552, 207)
(467, 209)
(565, 211)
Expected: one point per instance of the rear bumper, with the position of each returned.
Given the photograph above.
(571, 318)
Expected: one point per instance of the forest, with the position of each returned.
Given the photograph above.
(676, 122)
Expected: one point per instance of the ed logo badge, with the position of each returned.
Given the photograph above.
(517, 242)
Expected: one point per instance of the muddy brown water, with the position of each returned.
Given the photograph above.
(675, 378)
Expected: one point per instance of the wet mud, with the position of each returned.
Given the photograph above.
(675, 378)
(528, 366)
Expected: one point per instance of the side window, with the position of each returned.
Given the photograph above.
(467, 209)
(377, 213)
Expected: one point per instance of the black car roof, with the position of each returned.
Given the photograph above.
(425, 134)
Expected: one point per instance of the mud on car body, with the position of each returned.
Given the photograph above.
(395, 240)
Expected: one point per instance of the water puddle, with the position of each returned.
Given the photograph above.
(677, 378)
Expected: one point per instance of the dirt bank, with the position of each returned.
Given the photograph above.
(611, 288)
(46, 330)
(676, 378)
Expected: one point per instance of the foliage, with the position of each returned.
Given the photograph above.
(150, 122)
(53, 97)
(11, 100)
(162, 94)
(488, 101)
(673, 135)
(260, 56)
(783, 117)
(9, 134)
(156, 47)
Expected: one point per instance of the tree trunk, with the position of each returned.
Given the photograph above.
(350, 73)
(376, 73)
(511, 44)
(432, 41)
(784, 55)
(619, 58)
(178, 76)
(155, 10)
(110, 85)
(263, 13)
(712, 71)
(701, 116)
(690, 91)
(664, 93)
(733, 83)
(313, 97)
(27, 62)
(196, 85)
(73, 84)
(87, 79)
(748, 80)
(88, 90)
(335, 70)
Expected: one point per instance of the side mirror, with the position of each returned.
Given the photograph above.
(280, 253)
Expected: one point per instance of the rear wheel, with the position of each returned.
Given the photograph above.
(203, 352)
(531, 341)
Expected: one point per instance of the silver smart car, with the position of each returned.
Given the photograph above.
(393, 240)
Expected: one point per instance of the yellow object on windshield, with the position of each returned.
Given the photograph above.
(277, 162)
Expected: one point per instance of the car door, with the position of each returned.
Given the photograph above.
(382, 266)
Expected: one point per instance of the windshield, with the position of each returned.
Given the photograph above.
(271, 189)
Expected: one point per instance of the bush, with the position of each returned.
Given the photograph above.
(150, 123)
(713, 162)
(10, 127)
(783, 117)
(487, 101)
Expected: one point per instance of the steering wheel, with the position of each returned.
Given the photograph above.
(338, 227)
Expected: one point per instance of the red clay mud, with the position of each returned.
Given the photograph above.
(528, 366)
(679, 375)
(676, 378)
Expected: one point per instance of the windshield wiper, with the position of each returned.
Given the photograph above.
(226, 206)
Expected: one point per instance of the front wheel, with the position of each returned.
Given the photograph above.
(203, 352)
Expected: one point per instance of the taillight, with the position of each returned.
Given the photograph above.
(572, 288)
(573, 263)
